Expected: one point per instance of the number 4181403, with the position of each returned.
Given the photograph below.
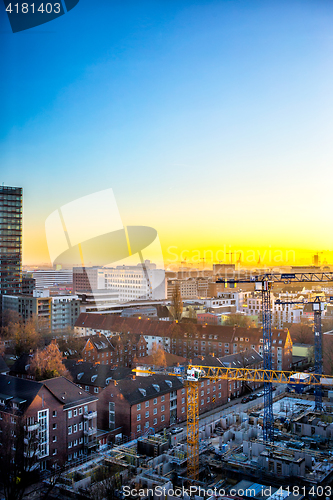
(25, 8)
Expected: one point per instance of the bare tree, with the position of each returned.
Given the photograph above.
(176, 307)
(237, 319)
(158, 356)
(18, 456)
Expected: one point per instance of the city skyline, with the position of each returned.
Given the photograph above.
(211, 122)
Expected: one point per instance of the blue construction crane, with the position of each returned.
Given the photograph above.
(264, 282)
(317, 307)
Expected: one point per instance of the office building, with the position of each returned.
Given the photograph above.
(10, 240)
(140, 282)
(50, 278)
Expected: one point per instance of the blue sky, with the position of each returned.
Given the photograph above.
(211, 121)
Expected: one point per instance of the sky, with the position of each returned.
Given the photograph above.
(210, 120)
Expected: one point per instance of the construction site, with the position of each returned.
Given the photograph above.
(281, 448)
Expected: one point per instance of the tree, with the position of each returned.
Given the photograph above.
(175, 330)
(19, 453)
(238, 320)
(72, 346)
(302, 333)
(176, 308)
(25, 335)
(158, 356)
(48, 363)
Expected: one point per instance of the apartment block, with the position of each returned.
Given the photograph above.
(189, 340)
(119, 350)
(62, 416)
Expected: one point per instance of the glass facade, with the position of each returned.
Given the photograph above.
(10, 240)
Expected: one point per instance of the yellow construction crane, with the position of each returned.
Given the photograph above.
(197, 372)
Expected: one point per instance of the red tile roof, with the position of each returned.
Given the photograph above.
(113, 323)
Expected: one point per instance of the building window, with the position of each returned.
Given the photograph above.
(75, 412)
(155, 421)
(54, 439)
(69, 429)
(75, 428)
(80, 426)
(86, 388)
(183, 409)
(219, 394)
(162, 398)
(202, 402)
(183, 391)
(183, 401)
(96, 390)
(162, 408)
(147, 414)
(155, 401)
(75, 442)
(146, 404)
(138, 428)
(43, 432)
(54, 426)
(80, 410)
(138, 417)
(70, 444)
(162, 418)
(55, 451)
(54, 414)
(155, 411)
(138, 407)
(208, 400)
(69, 413)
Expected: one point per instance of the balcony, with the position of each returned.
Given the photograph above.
(90, 432)
(31, 428)
(91, 414)
(91, 444)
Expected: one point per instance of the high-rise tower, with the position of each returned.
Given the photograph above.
(10, 240)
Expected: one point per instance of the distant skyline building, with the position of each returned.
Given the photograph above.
(143, 281)
(10, 240)
(50, 278)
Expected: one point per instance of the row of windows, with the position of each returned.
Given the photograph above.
(75, 442)
(146, 426)
(75, 428)
(75, 412)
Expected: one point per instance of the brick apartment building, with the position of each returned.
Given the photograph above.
(119, 350)
(189, 340)
(93, 377)
(135, 404)
(64, 416)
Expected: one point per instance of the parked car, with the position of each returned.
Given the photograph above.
(176, 430)
(246, 399)
(252, 397)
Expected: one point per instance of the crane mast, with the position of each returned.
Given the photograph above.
(264, 282)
